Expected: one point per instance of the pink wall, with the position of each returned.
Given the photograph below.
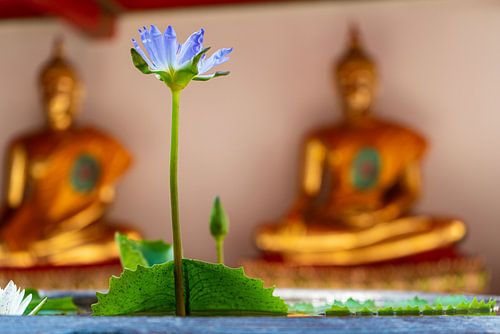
(240, 137)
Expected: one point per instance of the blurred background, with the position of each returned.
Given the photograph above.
(241, 136)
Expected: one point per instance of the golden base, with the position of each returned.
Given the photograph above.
(85, 277)
(321, 244)
(457, 275)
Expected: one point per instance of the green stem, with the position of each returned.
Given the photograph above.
(174, 206)
(219, 244)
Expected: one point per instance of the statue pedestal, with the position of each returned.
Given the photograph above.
(443, 272)
(82, 277)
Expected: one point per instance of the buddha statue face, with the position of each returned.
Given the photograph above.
(356, 85)
(60, 91)
(356, 79)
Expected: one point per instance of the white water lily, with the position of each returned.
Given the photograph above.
(12, 300)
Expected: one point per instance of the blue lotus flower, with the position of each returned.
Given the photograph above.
(173, 63)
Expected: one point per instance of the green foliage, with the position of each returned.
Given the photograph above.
(447, 305)
(144, 252)
(182, 76)
(360, 308)
(302, 308)
(339, 311)
(211, 76)
(38, 307)
(387, 310)
(307, 309)
(144, 290)
(178, 79)
(139, 63)
(429, 310)
(450, 300)
(210, 289)
(219, 222)
(51, 306)
(219, 226)
(415, 301)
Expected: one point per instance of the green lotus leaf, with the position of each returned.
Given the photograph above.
(302, 308)
(450, 300)
(450, 310)
(143, 252)
(210, 289)
(386, 311)
(52, 306)
(307, 309)
(429, 310)
(411, 310)
(337, 310)
(449, 305)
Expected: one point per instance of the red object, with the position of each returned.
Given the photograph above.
(89, 16)
(95, 17)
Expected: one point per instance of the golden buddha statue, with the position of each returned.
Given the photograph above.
(60, 182)
(360, 180)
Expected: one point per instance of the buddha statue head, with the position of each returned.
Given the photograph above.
(60, 90)
(356, 78)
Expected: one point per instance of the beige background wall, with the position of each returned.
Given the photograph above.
(440, 65)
